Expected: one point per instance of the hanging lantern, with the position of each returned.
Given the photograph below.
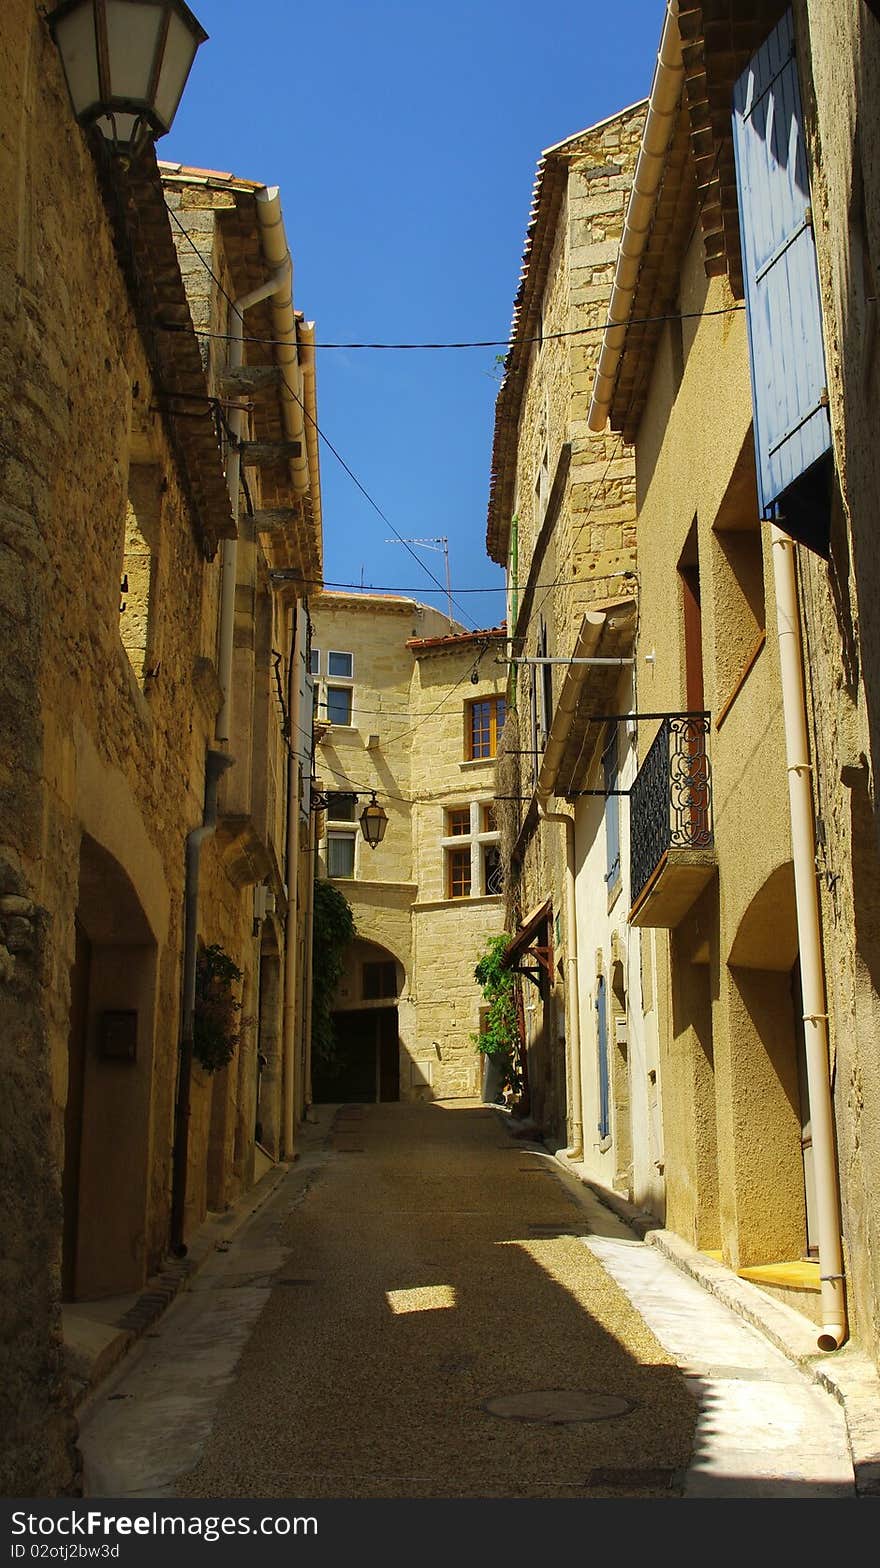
(374, 821)
(126, 64)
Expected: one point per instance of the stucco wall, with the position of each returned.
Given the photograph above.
(839, 57)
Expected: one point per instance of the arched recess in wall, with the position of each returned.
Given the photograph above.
(110, 1066)
(766, 1030)
(366, 1060)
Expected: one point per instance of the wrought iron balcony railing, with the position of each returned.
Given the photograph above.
(671, 798)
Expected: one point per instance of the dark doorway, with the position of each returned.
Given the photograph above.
(366, 1064)
(73, 1112)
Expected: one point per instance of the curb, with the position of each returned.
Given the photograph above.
(87, 1374)
(847, 1374)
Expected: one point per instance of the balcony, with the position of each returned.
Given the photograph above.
(672, 855)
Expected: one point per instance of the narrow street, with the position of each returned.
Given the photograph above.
(426, 1307)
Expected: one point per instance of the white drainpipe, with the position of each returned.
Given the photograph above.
(279, 287)
(815, 1006)
(659, 126)
(279, 281)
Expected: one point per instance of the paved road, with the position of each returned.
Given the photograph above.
(427, 1308)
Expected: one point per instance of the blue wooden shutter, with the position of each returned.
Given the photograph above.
(612, 813)
(792, 429)
(602, 1035)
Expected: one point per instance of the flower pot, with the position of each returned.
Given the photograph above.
(493, 1081)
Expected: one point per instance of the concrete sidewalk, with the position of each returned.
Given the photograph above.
(847, 1375)
(98, 1334)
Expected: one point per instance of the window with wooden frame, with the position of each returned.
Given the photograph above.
(458, 872)
(341, 806)
(483, 726)
(379, 980)
(458, 821)
(340, 854)
(487, 814)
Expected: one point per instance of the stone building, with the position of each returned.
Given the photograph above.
(410, 706)
(756, 492)
(562, 522)
(117, 487)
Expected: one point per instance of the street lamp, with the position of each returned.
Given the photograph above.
(374, 821)
(126, 64)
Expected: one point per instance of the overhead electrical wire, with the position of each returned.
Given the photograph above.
(281, 343)
(508, 343)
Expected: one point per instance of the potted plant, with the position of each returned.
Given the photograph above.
(498, 1040)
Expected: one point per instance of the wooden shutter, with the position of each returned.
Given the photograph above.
(602, 1039)
(612, 812)
(792, 429)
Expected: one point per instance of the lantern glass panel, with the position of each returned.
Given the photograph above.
(122, 128)
(180, 50)
(75, 36)
(132, 37)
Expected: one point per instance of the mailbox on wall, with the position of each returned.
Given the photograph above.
(117, 1037)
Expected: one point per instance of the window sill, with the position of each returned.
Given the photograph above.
(477, 762)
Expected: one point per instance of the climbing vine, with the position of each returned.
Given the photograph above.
(334, 930)
(217, 1027)
(500, 1035)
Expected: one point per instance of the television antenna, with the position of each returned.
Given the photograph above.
(438, 544)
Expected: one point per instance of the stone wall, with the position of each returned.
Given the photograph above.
(576, 522)
(94, 755)
(408, 741)
(839, 58)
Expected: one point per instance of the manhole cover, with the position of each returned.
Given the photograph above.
(555, 1406)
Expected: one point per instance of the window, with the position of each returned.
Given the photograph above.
(314, 661)
(340, 854)
(341, 665)
(339, 704)
(493, 876)
(485, 721)
(783, 308)
(612, 814)
(458, 821)
(604, 1124)
(379, 980)
(471, 851)
(458, 862)
(341, 807)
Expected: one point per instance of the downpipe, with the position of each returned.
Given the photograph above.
(815, 1006)
(278, 282)
(216, 763)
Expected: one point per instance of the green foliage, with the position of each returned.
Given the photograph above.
(334, 930)
(500, 1037)
(216, 1025)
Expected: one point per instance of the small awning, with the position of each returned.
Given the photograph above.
(526, 943)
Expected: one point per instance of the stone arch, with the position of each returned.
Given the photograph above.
(766, 937)
(765, 1045)
(368, 1048)
(110, 1069)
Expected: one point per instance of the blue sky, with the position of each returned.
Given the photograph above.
(404, 139)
